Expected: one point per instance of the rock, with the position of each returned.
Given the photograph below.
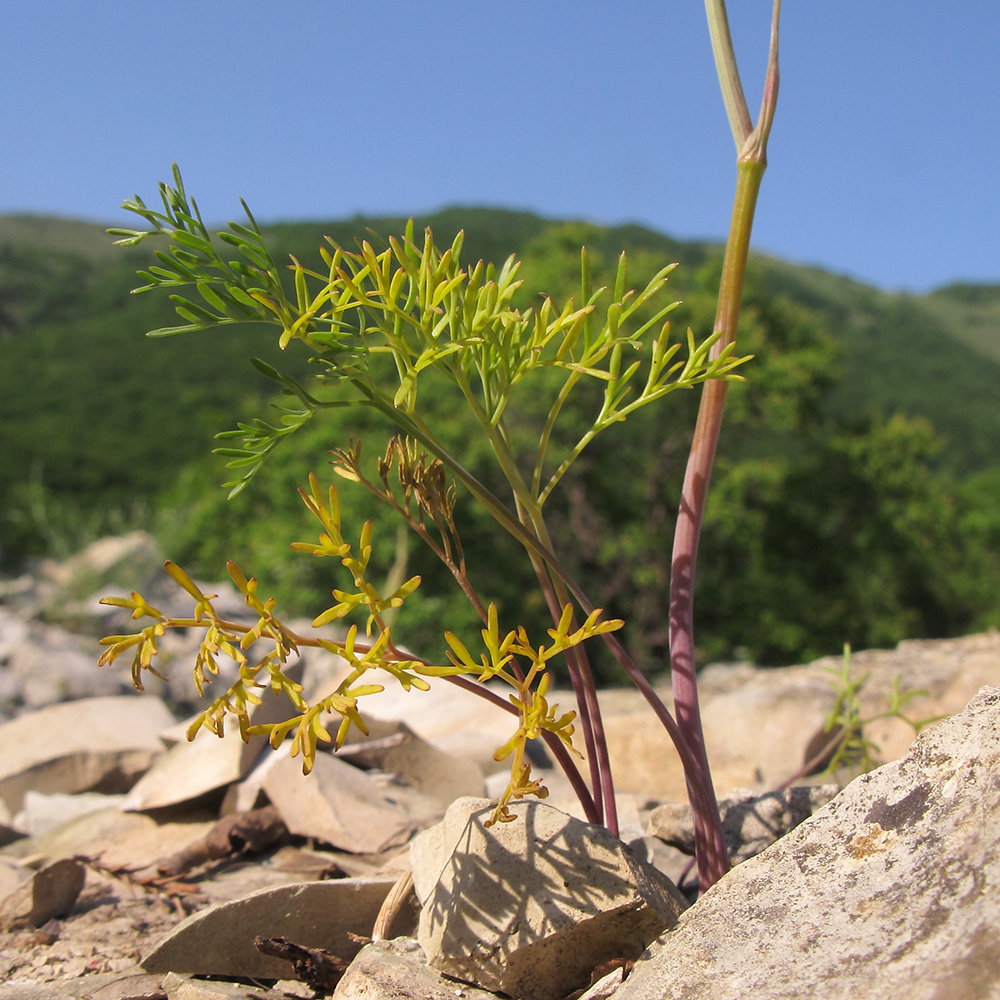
(531, 907)
(336, 803)
(97, 744)
(421, 765)
(750, 822)
(756, 734)
(113, 839)
(7, 831)
(102, 986)
(219, 940)
(605, 987)
(456, 722)
(13, 632)
(131, 986)
(887, 891)
(124, 562)
(397, 970)
(40, 813)
(12, 875)
(49, 892)
(192, 769)
(53, 665)
(950, 671)
(177, 987)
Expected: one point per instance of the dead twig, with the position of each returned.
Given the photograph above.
(317, 968)
(241, 833)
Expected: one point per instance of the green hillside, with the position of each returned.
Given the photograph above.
(854, 498)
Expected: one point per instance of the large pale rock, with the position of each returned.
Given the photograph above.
(207, 763)
(12, 875)
(336, 803)
(99, 986)
(98, 744)
(177, 987)
(219, 940)
(531, 907)
(114, 839)
(949, 672)
(54, 665)
(760, 725)
(40, 813)
(397, 970)
(394, 747)
(890, 890)
(756, 732)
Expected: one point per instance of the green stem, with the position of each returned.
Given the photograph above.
(536, 540)
(584, 688)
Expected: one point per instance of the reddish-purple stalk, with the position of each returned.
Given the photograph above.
(711, 852)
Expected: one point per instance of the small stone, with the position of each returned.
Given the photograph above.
(532, 907)
(49, 892)
(336, 803)
(750, 822)
(219, 940)
(48, 933)
(397, 970)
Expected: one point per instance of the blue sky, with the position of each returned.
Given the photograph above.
(882, 159)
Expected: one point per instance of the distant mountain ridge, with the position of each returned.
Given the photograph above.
(62, 280)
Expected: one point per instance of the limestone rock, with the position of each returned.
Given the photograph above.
(949, 671)
(531, 907)
(49, 892)
(12, 874)
(54, 665)
(219, 940)
(129, 986)
(100, 986)
(889, 890)
(756, 732)
(455, 721)
(750, 822)
(176, 987)
(97, 744)
(397, 970)
(420, 764)
(13, 632)
(192, 769)
(336, 803)
(113, 839)
(40, 813)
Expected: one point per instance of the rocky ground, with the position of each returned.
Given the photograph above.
(125, 844)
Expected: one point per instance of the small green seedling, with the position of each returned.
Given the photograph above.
(848, 748)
